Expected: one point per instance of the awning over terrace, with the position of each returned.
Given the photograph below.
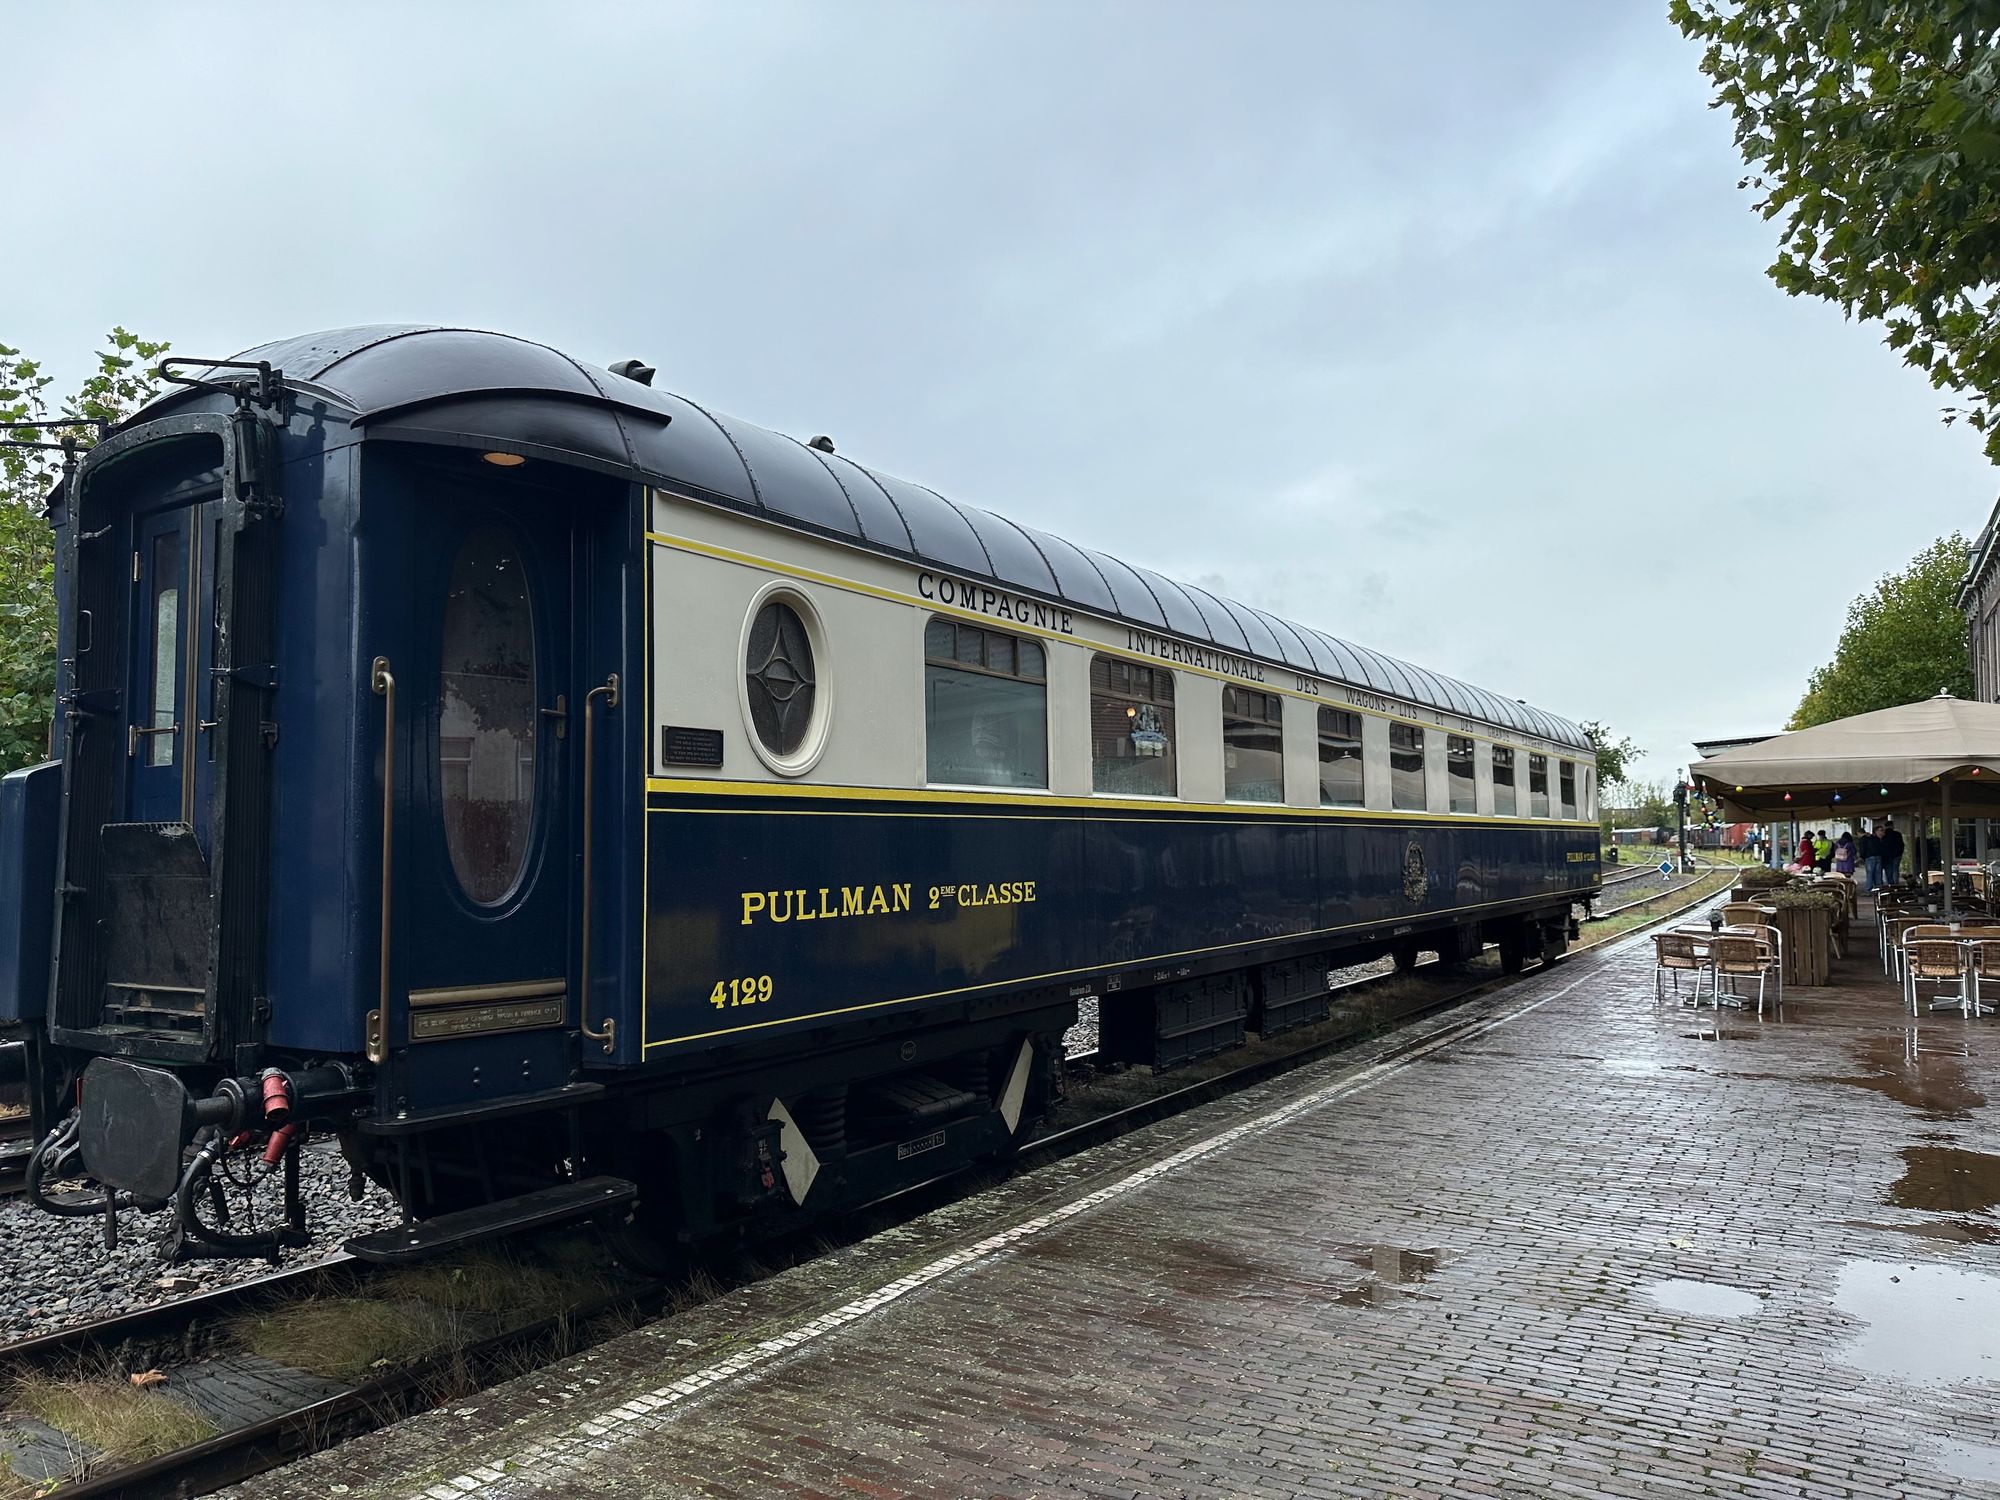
(1937, 751)
(1941, 754)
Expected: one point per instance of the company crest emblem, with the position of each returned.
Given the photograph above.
(1413, 874)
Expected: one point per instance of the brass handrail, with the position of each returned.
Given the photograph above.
(608, 690)
(383, 681)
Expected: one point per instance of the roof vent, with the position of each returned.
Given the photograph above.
(822, 442)
(634, 369)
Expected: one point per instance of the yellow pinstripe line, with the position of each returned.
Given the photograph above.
(1244, 811)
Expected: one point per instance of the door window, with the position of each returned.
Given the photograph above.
(487, 718)
(166, 648)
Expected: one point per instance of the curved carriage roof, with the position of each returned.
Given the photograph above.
(467, 387)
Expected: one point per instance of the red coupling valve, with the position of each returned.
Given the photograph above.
(280, 1142)
(277, 1098)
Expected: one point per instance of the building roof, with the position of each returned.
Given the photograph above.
(471, 388)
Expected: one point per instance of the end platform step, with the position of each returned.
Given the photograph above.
(582, 1199)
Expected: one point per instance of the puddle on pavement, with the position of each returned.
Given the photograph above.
(1946, 1231)
(1396, 1269)
(1926, 1325)
(1705, 1299)
(1947, 1180)
(1964, 1460)
(1639, 1067)
(1931, 1080)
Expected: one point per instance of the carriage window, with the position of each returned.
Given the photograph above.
(778, 676)
(1339, 758)
(1406, 768)
(486, 716)
(1131, 727)
(166, 659)
(986, 707)
(1503, 781)
(1568, 784)
(1458, 773)
(1253, 746)
(1538, 786)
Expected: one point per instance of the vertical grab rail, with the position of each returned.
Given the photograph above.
(608, 690)
(383, 681)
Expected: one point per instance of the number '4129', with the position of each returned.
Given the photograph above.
(752, 989)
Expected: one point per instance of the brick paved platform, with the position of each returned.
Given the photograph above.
(1571, 1245)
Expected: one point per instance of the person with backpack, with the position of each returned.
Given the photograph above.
(1892, 853)
(1870, 849)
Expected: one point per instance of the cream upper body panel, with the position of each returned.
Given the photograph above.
(710, 570)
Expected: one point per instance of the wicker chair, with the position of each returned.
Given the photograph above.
(1745, 914)
(1933, 955)
(1892, 929)
(1679, 953)
(1738, 958)
(1982, 963)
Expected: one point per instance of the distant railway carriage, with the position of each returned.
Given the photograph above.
(586, 804)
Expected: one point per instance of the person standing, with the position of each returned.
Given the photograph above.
(1808, 856)
(1871, 856)
(1844, 854)
(1822, 851)
(1892, 852)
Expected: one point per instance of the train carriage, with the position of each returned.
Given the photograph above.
(586, 804)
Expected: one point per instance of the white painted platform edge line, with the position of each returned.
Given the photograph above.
(618, 1423)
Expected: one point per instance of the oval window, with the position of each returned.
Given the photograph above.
(486, 716)
(778, 673)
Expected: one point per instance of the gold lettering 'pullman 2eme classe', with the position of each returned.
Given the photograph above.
(828, 901)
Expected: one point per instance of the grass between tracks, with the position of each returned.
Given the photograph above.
(112, 1419)
(417, 1314)
(425, 1316)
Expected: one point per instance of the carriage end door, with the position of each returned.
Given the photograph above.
(486, 857)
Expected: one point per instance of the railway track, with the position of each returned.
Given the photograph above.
(1681, 883)
(189, 1341)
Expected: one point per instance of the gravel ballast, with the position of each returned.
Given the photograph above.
(59, 1273)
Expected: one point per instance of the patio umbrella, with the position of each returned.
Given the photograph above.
(1944, 750)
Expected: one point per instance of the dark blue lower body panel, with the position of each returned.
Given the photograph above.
(763, 913)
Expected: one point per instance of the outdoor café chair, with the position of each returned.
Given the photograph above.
(1931, 955)
(1741, 957)
(1743, 914)
(1892, 930)
(1982, 963)
(1678, 953)
(1775, 940)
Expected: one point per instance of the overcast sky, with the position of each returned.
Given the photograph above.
(1440, 326)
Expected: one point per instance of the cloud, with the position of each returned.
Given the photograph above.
(1442, 328)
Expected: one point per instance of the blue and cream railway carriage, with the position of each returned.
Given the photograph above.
(585, 803)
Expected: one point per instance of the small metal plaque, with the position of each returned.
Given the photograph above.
(471, 1020)
(681, 746)
(920, 1145)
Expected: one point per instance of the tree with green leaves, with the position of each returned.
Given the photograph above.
(1905, 640)
(123, 381)
(1872, 132)
(1640, 804)
(1613, 755)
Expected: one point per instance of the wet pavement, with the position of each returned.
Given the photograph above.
(1565, 1243)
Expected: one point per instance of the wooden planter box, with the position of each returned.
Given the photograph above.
(1808, 935)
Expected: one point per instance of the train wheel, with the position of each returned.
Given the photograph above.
(1513, 950)
(1405, 953)
(649, 1239)
(639, 1246)
(1460, 947)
